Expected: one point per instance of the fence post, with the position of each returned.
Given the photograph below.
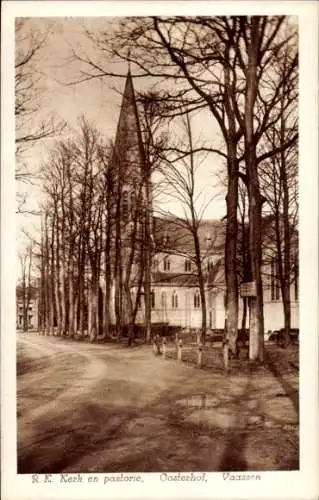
(198, 337)
(179, 350)
(164, 347)
(156, 345)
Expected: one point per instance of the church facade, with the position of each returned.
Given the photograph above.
(168, 276)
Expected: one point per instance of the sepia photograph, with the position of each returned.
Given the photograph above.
(157, 174)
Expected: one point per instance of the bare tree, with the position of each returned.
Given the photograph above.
(181, 177)
(279, 182)
(32, 124)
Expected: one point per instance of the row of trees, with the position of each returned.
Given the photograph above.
(244, 70)
(87, 241)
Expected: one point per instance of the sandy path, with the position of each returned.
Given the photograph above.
(108, 408)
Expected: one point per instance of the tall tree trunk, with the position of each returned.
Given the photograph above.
(140, 282)
(71, 308)
(201, 283)
(244, 316)
(118, 286)
(63, 297)
(231, 300)
(48, 278)
(42, 284)
(71, 298)
(107, 278)
(56, 282)
(93, 305)
(76, 315)
(53, 269)
(231, 137)
(256, 344)
(285, 284)
(24, 295)
(246, 269)
(109, 199)
(147, 255)
(81, 289)
(63, 274)
(50, 305)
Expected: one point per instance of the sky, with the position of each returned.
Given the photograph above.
(99, 101)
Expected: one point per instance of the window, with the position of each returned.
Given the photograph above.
(125, 206)
(155, 264)
(167, 264)
(210, 265)
(275, 285)
(163, 300)
(197, 300)
(165, 240)
(188, 265)
(152, 299)
(174, 300)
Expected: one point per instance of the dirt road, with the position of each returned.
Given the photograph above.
(105, 408)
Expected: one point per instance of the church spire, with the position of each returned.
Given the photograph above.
(128, 147)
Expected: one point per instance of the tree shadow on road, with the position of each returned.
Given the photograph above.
(158, 436)
(289, 391)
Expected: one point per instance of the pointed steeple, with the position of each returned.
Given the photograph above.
(128, 148)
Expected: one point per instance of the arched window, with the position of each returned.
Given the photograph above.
(174, 300)
(209, 266)
(197, 300)
(167, 264)
(188, 265)
(165, 240)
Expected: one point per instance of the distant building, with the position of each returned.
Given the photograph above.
(28, 308)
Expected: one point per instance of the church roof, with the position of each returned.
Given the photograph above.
(174, 279)
(173, 235)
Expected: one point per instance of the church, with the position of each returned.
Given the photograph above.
(154, 271)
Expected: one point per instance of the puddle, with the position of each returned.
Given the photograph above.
(221, 417)
(202, 401)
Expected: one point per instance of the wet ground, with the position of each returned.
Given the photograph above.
(106, 408)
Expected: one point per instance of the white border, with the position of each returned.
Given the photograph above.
(293, 485)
